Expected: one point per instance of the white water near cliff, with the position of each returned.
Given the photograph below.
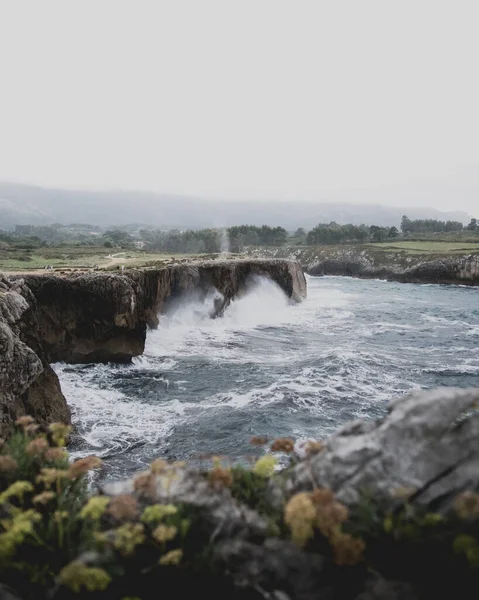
(268, 367)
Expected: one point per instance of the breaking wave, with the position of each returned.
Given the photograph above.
(268, 367)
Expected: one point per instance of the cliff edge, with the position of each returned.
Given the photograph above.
(103, 318)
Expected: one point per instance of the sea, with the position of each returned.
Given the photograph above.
(270, 368)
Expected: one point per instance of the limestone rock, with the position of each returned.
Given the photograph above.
(104, 318)
(222, 515)
(27, 383)
(428, 442)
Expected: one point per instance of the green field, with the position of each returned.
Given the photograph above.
(84, 258)
(427, 247)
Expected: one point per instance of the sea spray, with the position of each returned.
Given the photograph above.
(270, 368)
(225, 247)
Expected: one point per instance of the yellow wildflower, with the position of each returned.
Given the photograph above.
(158, 466)
(173, 557)
(17, 529)
(388, 524)
(76, 576)
(164, 533)
(264, 467)
(17, 490)
(94, 508)
(60, 515)
(128, 536)
(43, 498)
(157, 512)
(49, 476)
(60, 433)
(433, 519)
(299, 515)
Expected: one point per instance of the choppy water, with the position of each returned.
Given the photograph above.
(273, 369)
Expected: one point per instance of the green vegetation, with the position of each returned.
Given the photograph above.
(57, 541)
(428, 247)
(83, 246)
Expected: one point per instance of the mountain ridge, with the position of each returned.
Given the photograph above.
(22, 204)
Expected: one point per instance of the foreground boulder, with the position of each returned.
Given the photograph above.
(427, 445)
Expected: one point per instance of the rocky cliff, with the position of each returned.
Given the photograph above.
(28, 385)
(374, 262)
(102, 317)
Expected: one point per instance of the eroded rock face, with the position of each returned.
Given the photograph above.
(427, 443)
(104, 318)
(27, 383)
(371, 262)
(101, 318)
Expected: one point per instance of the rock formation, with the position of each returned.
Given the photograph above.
(372, 262)
(104, 318)
(428, 443)
(101, 318)
(28, 385)
(426, 447)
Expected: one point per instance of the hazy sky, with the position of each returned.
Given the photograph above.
(239, 97)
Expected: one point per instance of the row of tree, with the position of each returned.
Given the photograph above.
(333, 233)
(212, 240)
(234, 238)
(434, 225)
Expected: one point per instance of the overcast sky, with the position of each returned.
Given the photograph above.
(240, 97)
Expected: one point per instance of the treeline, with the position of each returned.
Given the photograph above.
(233, 239)
(209, 241)
(431, 225)
(333, 233)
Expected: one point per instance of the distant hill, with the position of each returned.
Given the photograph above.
(33, 205)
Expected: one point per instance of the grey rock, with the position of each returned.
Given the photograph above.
(428, 442)
(27, 383)
(278, 570)
(377, 588)
(221, 513)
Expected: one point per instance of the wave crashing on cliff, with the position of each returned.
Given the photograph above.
(268, 367)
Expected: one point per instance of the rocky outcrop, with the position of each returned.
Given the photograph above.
(103, 317)
(427, 443)
(100, 318)
(373, 262)
(423, 453)
(28, 385)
